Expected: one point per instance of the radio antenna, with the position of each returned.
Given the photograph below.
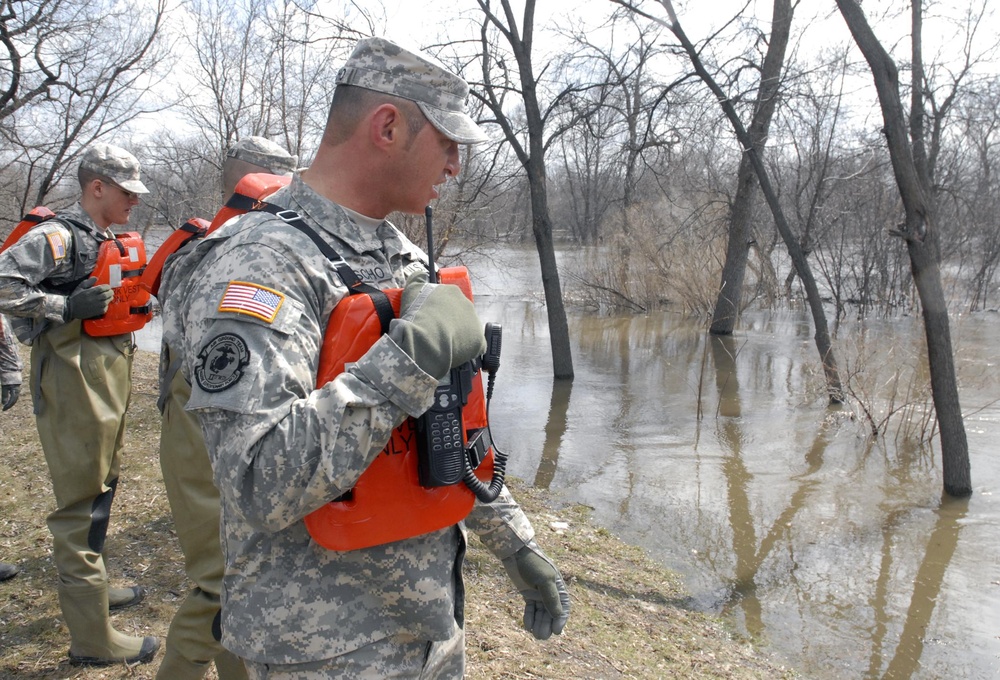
(431, 269)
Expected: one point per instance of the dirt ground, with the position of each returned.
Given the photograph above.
(628, 618)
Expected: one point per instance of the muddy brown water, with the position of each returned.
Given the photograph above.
(721, 458)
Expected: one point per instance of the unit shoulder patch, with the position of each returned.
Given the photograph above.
(221, 362)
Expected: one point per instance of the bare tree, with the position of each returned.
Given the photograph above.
(95, 69)
(29, 69)
(500, 79)
(727, 306)
(822, 332)
(979, 204)
(913, 163)
(637, 103)
(262, 67)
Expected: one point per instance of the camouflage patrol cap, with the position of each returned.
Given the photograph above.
(114, 163)
(264, 153)
(380, 65)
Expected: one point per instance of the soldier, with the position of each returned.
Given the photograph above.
(80, 388)
(10, 390)
(10, 367)
(193, 640)
(251, 313)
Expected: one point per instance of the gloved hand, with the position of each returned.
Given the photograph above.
(546, 600)
(88, 301)
(438, 326)
(9, 395)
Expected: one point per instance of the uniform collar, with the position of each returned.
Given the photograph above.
(77, 213)
(337, 221)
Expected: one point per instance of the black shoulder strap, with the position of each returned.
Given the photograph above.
(349, 277)
(69, 221)
(242, 202)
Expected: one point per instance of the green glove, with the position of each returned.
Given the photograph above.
(546, 600)
(9, 395)
(88, 301)
(438, 326)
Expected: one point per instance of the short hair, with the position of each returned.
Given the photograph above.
(85, 177)
(351, 104)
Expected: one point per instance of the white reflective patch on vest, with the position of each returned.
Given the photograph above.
(133, 254)
(115, 275)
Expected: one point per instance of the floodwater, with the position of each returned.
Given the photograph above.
(720, 457)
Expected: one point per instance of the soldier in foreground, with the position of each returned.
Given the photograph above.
(250, 313)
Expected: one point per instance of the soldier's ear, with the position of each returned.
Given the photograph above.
(385, 123)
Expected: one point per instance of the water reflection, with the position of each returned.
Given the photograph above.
(927, 585)
(721, 458)
(555, 428)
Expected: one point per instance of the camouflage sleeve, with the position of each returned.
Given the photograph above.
(40, 254)
(10, 360)
(280, 447)
(501, 525)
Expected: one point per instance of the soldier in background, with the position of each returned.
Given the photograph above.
(193, 640)
(80, 387)
(10, 390)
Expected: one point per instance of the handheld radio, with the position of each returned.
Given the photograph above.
(448, 454)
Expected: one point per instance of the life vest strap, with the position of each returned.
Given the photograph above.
(347, 275)
(242, 202)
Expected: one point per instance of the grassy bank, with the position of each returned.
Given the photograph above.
(628, 619)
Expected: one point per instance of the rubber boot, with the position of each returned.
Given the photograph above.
(8, 571)
(123, 598)
(94, 641)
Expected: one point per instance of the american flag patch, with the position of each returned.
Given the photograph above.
(251, 299)
(57, 245)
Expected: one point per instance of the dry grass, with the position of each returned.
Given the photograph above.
(628, 616)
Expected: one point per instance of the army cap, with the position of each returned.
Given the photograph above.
(380, 65)
(264, 153)
(114, 163)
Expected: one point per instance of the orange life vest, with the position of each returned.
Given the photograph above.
(194, 228)
(249, 191)
(388, 503)
(120, 264)
(34, 217)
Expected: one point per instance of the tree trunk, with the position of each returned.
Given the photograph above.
(541, 224)
(822, 335)
(727, 304)
(532, 160)
(920, 231)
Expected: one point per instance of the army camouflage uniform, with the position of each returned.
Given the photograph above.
(80, 387)
(282, 448)
(10, 360)
(10, 376)
(193, 642)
